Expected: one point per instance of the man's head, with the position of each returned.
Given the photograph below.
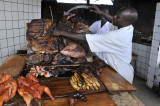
(106, 11)
(125, 16)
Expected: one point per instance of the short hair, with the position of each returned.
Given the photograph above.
(131, 14)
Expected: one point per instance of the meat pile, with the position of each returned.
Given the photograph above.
(52, 49)
(8, 88)
(30, 88)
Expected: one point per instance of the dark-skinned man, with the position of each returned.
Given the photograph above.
(115, 46)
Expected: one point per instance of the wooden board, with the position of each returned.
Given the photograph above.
(13, 65)
(97, 99)
(61, 87)
(115, 82)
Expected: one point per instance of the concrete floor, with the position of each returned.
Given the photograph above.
(144, 94)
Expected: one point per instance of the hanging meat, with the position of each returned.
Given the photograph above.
(8, 88)
(39, 37)
(30, 88)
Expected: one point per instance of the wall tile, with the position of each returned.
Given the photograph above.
(39, 9)
(11, 50)
(21, 24)
(26, 15)
(2, 34)
(157, 21)
(35, 2)
(17, 47)
(1, 5)
(3, 43)
(15, 24)
(16, 41)
(20, 15)
(4, 52)
(158, 6)
(26, 9)
(22, 39)
(16, 32)
(14, 7)
(2, 16)
(15, 1)
(20, 7)
(15, 15)
(157, 14)
(30, 8)
(7, 6)
(8, 24)
(30, 2)
(22, 32)
(1, 62)
(10, 42)
(155, 43)
(10, 33)
(8, 15)
(20, 1)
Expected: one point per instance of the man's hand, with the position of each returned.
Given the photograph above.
(95, 9)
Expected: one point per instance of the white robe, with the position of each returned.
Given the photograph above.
(115, 48)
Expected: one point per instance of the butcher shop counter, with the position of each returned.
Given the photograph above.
(114, 89)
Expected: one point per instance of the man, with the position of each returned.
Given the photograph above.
(115, 46)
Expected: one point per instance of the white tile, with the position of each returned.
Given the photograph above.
(153, 63)
(20, 15)
(39, 9)
(157, 21)
(4, 58)
(154, 50)
(21, 24)
(20, 1)
(16, 32)
(4, 52)
(138, 64)
(151, 71)
(144, 59)
(39, 16)
(26, 9)
(149, 49)
(3, 43)
(157, 14)
(11, 50)
(144, 48)
(8, 15)
(35, 9)
(7, 0)
(23, 44)
(140, 46)
(35, 15)
(8, 24)
(157, 72)
(20, 7)
(30, 15)
(39, 2)
(30, 2)
(15, 24)
(17, 47)
(22, 31)
(30, 8)
(136, 46)
(35, 2)
(158, 6)
(16, 41)
(155, 43)
(26, 15)
(150, 77)
(10, 42)
(1, 5)
(15, 15)
(2, 16)
(144, 54)
(22, 39)
(25, 1)
(10, 33)
(156, 35)
(15, 1)
(14, 7)
(2, 34)
(156, 29)
(7, 6)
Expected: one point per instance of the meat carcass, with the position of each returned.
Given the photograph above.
(8, 88)
(30, 88)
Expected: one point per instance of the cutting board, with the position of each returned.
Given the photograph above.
(115, 82)
(96, 99)
(61, 87)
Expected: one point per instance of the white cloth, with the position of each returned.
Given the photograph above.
(115, 48)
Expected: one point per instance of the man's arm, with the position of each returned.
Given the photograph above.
(96, 10)
(74, 36)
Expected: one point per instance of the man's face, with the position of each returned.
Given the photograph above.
(119, 19)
